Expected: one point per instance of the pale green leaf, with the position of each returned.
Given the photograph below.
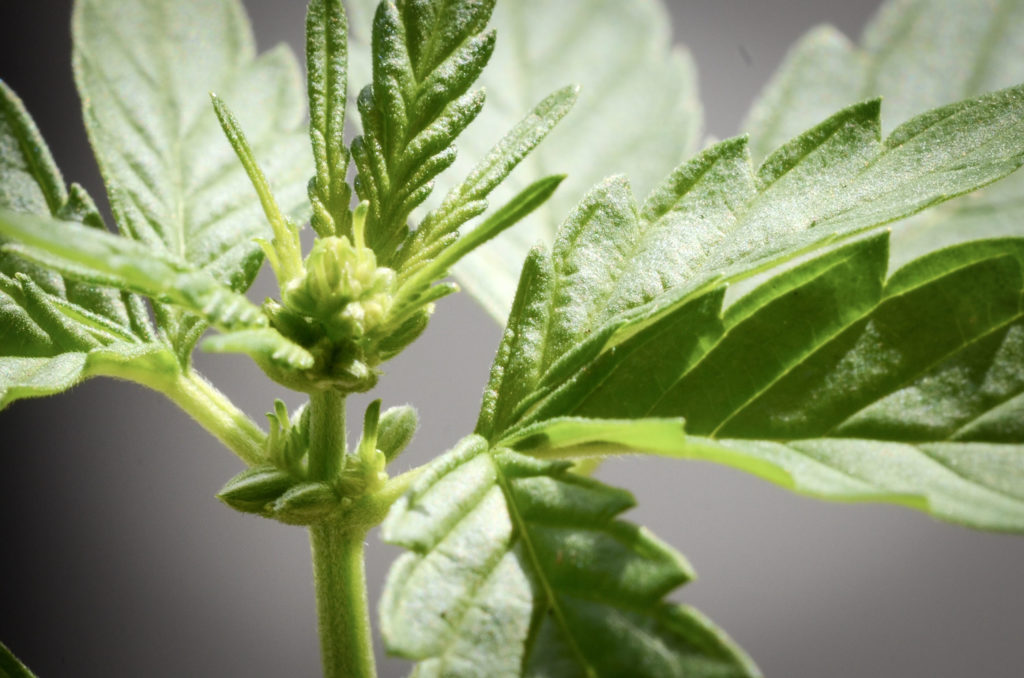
(917, 55)
(637, 113)
(144, 69)
(56, 331)
(31, 377)
(518, 567)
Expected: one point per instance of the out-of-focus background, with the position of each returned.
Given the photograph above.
(116, 560)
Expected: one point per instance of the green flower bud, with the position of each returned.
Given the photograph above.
(342, 288)
(255, 489)
(395, 430)
(306, 503)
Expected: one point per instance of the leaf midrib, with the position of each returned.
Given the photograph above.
(531, 551)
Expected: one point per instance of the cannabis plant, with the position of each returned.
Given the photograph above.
(801, 303)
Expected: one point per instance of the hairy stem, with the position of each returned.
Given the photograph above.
(346, 643)
(218, 415)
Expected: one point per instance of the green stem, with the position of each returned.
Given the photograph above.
(218, 415)
(346, 644)
(326, 435)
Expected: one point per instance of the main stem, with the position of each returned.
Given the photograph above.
(346, 642)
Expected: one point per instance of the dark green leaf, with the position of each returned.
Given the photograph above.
(618, 269)
(519, 567)
(828, 378)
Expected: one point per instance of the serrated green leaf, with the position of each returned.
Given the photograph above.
(829, 379)
(327, 88)
(144, 70)
(426, 56)
(917, 55)
(468, 199)
(519, 567)
(31, 183)
(618, 268)
(262, 344)
(638, 113)
(452, 249)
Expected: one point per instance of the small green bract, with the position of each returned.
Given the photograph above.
(807, 303)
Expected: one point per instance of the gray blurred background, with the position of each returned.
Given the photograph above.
(116, 560)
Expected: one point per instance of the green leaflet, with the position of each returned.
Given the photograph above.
(55, 331)
(144, 69)
(519, 567)
(327, 88)
(917, 54)
(618, 268)
(638, 113)
(828, 379)
(469, 198)
(103, 258)
(426, 56)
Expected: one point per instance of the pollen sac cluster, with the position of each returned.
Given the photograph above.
(343, 289)
(342, 309)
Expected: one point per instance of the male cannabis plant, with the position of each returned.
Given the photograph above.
(766, 316)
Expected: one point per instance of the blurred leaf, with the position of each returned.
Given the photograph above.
(56, 331)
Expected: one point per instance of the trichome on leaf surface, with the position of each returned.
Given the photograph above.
(807, 302)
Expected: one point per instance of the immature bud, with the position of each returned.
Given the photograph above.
(255, 489)
(305, 503)
(343, 288)
(396, 429)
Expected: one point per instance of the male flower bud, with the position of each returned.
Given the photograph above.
(306, 503)
(342, 288)
(255, 489)
(395, 430)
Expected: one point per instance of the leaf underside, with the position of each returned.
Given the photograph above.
(520, 568)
